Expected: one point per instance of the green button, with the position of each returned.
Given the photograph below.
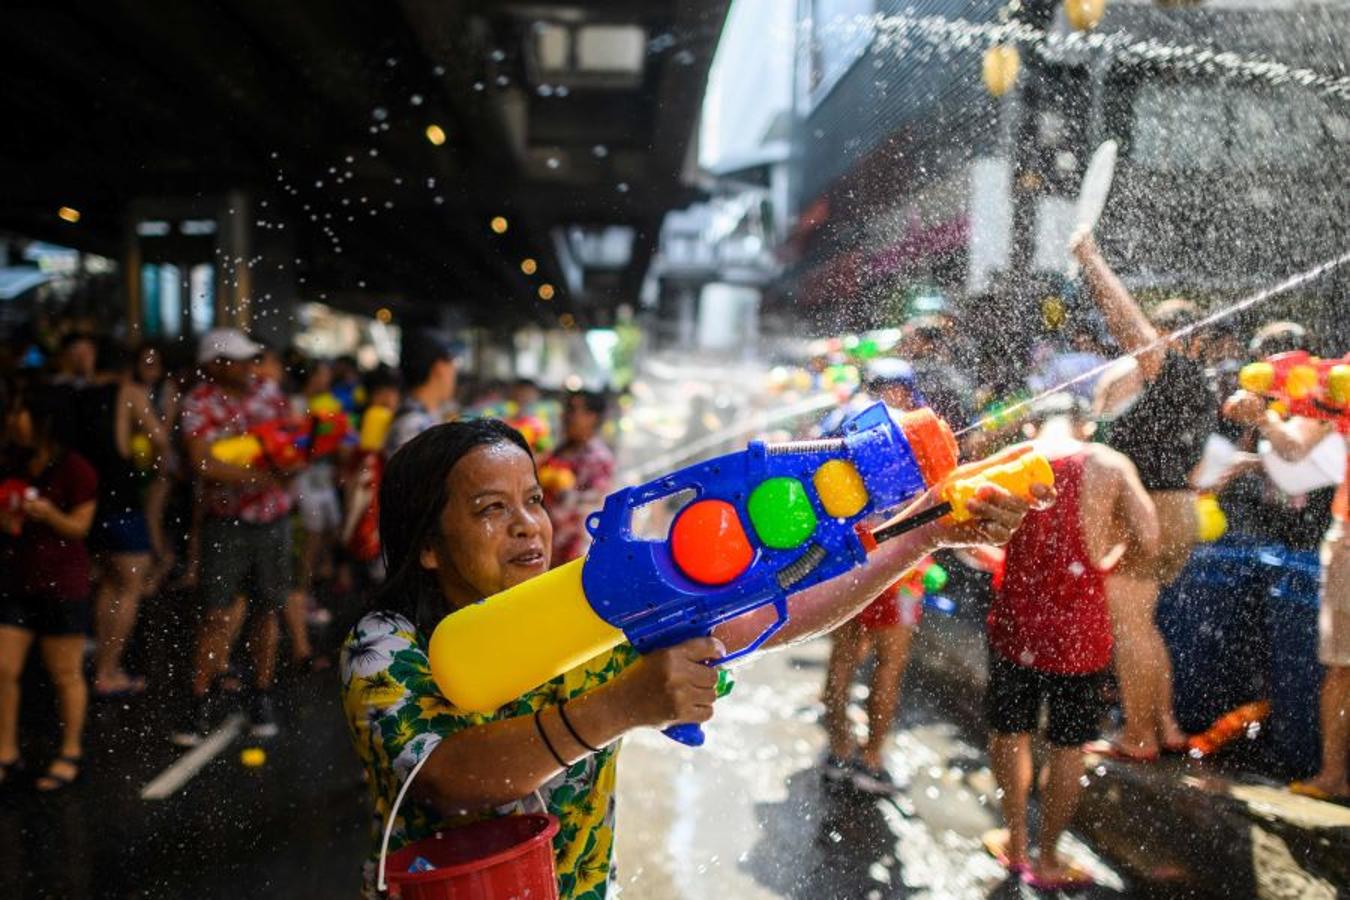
(781, 513)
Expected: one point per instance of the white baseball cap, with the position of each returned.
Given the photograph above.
(226, 343)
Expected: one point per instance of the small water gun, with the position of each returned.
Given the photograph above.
(1228, 728)
(1299, 384)
(1210, 521)
(375, 424)
(142, 452)
(556, 477)
(13, 493)
(764, 523)
(327, 433)
(276, 444)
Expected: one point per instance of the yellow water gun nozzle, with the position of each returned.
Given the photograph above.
(1016, 471)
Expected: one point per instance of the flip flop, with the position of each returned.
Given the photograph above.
(1182, 748)
(60, 782)
(1076, 879)
(1112, 750)
(135, 686)
(1308, 789)
(995, 842)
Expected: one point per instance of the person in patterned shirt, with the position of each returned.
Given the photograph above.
(462, 518)
(245, 531)
(590, 465)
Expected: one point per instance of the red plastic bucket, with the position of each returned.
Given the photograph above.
(509, 858)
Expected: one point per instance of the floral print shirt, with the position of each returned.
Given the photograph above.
(397, 717)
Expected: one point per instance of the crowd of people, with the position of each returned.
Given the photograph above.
(1076, 592)
(242, 477)
(282, 492)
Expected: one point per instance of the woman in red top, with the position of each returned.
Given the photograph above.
(1050, 632)
(44, 576)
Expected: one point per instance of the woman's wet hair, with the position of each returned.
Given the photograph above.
(413, 493)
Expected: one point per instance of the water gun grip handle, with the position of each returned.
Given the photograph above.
(687, 733)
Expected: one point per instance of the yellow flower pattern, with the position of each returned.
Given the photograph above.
(397, 716)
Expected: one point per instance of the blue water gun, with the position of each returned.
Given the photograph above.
(764, 523)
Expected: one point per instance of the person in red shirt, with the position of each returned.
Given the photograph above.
(44, 575)
(1050, 633)
(245, 530)
(589, 467)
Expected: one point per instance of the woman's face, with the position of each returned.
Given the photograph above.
(494, 531)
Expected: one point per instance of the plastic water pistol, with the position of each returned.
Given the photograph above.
(13, 492)
(1298, 384)
(764, 523)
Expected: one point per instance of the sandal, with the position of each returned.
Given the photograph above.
(131, 686)
(1074, 879)
(56, 782)
(995, 843)
(1308, 789)
(1110, 749)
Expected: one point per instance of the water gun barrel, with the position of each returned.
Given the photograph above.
(490, 653)
(243, 450)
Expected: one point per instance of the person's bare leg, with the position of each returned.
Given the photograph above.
(883, 700)
(215, 637)
(1335, 721)
(845, 653)
(14, 644)
(264, 638)
(297, 626)
(1131, 600)
(1062, 788)
(64, 658)
(1177, 536)
(115, 611)
(156, 502)
(1010, 759)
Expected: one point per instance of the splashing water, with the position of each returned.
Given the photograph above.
(1232, 309)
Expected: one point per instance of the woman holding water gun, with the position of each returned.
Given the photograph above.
(462, 519)
(1322, 408)
(45, 575)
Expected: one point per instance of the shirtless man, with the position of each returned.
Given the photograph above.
(1050, 632)
(1168, 412)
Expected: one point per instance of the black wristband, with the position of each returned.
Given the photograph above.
(539, 726)
(562, 714)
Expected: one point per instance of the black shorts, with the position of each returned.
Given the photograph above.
(1012, 702)
(45, 616)
(241, 559)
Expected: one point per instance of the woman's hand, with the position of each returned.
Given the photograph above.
(1245, 408)
(40, 509)
(995, 514)
(671, 686)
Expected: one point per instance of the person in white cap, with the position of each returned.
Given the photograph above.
(245, 532)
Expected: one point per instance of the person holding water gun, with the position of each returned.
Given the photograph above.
(463, 519)
(1050, 633)
(1317, 393)
(245, 532)
(886, 626)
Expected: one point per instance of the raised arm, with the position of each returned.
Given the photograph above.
(1291, 439)
(1125, 320)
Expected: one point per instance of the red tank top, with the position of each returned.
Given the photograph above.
(1050, 613)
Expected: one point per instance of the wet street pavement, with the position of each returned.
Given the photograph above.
(746, 816)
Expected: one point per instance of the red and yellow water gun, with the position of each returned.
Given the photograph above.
(277, 444)
(1299, 384)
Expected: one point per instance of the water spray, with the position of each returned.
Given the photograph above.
(1232, 309)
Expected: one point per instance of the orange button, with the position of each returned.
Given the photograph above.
(709, 544)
